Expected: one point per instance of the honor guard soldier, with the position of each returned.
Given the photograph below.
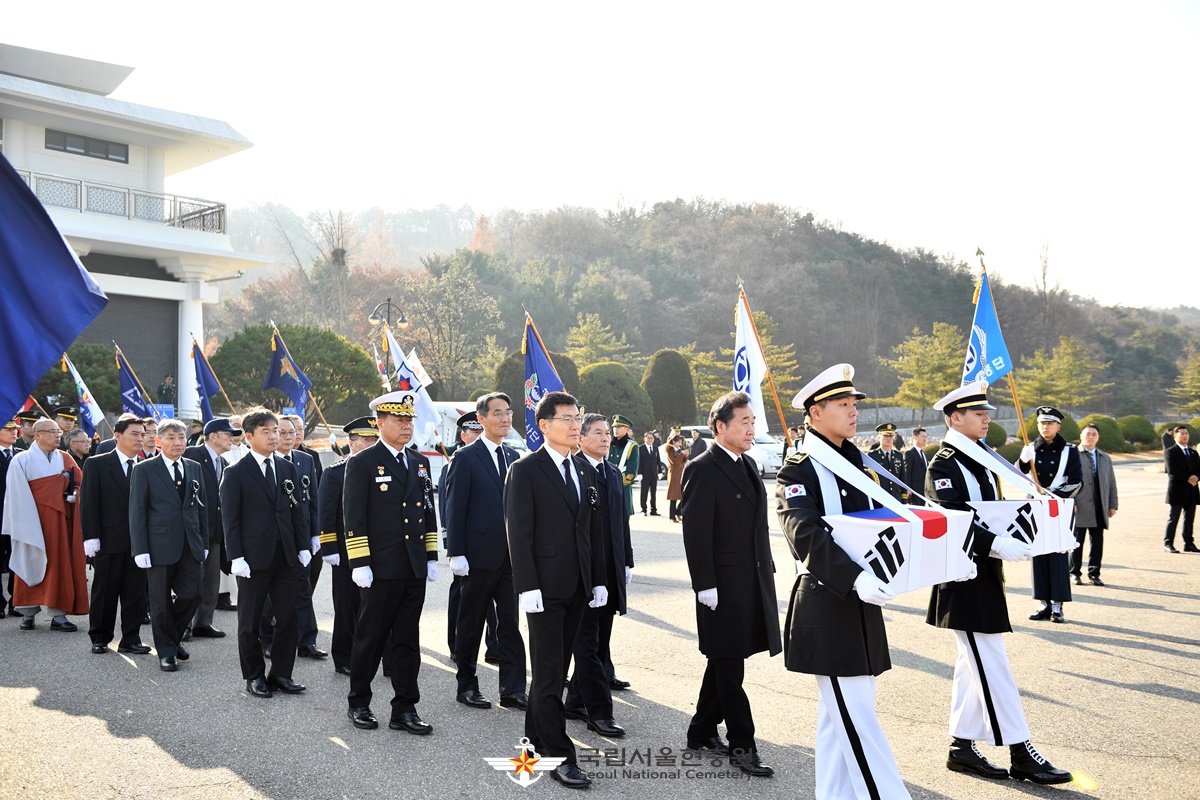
(623, 454)
(889, 458)
(391, 541)
(985, 703)
(835, 628)
(65, 418)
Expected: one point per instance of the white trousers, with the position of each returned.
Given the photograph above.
(985, 704)
(854, 760)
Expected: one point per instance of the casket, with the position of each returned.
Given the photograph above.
(1047, 524)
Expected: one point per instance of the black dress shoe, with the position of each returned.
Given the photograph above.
(752, 765)
(225, 605)
(571, 776)
(145, 619)
(1191, 548)
(1096, 581)
(409, 721)
(66, 626)
(207, 632)
(182, 653)
(714, 743)
(363, 718)
(606, 727)
(27, 624)
(187, 635)
(965, 757)
(99, 649)
(1057, 616)
(2, 614)
(518, 700)
(168, 664)
(576, 712)
(1030, 765)
(1170, 548)
(1044, 614)
(138, 649)
(491, 659)
(285, 685)
(655, 514)
(618, 685)
(258, 688)
(474, 699)
(1078, 581)
(341, 669)
(311, 651)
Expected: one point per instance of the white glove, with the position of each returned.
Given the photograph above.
(1010, 549)
(1027, 452)
(70, 498)
(316, 545)
(708, 597)
(142, 560)
(459, 566)
(431, 571)
(304, 557)
(206, 555)
(531, 601)
(333, 560)
(363, 576)
(628, 575)
(970, 576)
(91, 547)
(239, 568)
(871, 590)
(599, 596)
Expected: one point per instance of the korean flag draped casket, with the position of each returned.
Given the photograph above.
(902, 554)
(1046, 524)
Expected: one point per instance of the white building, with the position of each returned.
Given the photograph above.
(99, 165)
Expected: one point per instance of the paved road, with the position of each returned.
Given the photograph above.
(1112, 695)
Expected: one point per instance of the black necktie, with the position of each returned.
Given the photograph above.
(566, 465)
(270, 474)
(403, 467)
(600, 477)
(178, 481)
(751, 471)
(500, 461)
(128, 466)
(7, 455)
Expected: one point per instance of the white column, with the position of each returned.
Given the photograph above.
(191, 323)
(156, 169)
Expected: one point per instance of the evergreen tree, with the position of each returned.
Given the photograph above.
(1186, 394)
(593, 342)
(928, 366)
(668, 382)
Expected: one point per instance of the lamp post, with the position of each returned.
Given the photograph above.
(387, 306)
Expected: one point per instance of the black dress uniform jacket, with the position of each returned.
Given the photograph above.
(829, 630)
(727, 545)
(1047, 455)
(390, 522)
(329, 506)
(976, 605)
(893, 461)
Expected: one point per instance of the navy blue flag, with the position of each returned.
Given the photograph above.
(286, 376)
(132, 399)
(48, 297)
(987, 354)
(540, 378)
(206, 382)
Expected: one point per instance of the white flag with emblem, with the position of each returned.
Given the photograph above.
(749, 364)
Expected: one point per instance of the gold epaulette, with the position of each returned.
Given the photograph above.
(873, 475)
(946, 452)
(796, 458)
(357, 546)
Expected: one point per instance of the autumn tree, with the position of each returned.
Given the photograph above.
(929, 365)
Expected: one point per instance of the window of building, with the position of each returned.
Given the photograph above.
(86, 146)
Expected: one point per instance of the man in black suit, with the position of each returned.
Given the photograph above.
(698, 446)
(363, 434)
(9, 436)
(649, 462)
(218, 436)
(267, 539)
(729, 557)
(391, 541)
(168, 535)
(104, 523)
(298, 421)
(478, 551)
(589, 695)
(555, 541)
(1183, 473)
(916, 465)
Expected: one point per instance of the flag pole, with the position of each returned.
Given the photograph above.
(153, 407)
(196, 349)
(778, 406)
(103, 419)
(312, 399)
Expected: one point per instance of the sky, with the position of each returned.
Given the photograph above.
(948, 126)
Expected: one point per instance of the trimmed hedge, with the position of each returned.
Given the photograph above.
(1137, 429)
(1009, 452)
(610, 388)
(996, 435)
(1111, 438)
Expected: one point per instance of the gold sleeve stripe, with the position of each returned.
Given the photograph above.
(328, 537)
(431, 542)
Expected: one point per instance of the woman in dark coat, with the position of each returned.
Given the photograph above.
(677, 456)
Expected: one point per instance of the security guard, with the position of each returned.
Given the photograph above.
(391, 542)
(623, 454)
(884, 451)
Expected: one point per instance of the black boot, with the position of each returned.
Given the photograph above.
(965, 757)
(1029, 765)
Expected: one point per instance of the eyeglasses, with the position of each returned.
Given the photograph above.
(569, 420)
(498, 414)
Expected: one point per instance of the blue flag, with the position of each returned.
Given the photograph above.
(987, 354)
(132, 399)
(48, 297)
(286, 376)
(540, 378)
(206, 383)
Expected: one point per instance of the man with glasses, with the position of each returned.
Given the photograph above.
(555, 541)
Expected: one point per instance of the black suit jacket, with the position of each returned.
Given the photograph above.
(1182, 462)
(4, 475)
(256, 518)
(104, 502)
(473, 513)
(649, 461)
(316, 457)
(306, 490)
(212, 490)
(162, 524)
(915, 469)
(329, 506)
(728, 547)
(389, 516)
(618, 547)
(555, 545)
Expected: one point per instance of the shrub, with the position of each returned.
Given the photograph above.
(996, 435)
(510, 378)
(1009, 452)
(668, 382)
(1138, 430)
(609, 388)
(1111, 438)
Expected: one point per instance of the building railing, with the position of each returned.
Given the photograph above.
(124, 201)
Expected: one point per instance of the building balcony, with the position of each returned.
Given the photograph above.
(90, 197)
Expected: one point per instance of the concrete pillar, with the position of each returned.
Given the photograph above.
(156, 169)
(16, 143)
(191, 323)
